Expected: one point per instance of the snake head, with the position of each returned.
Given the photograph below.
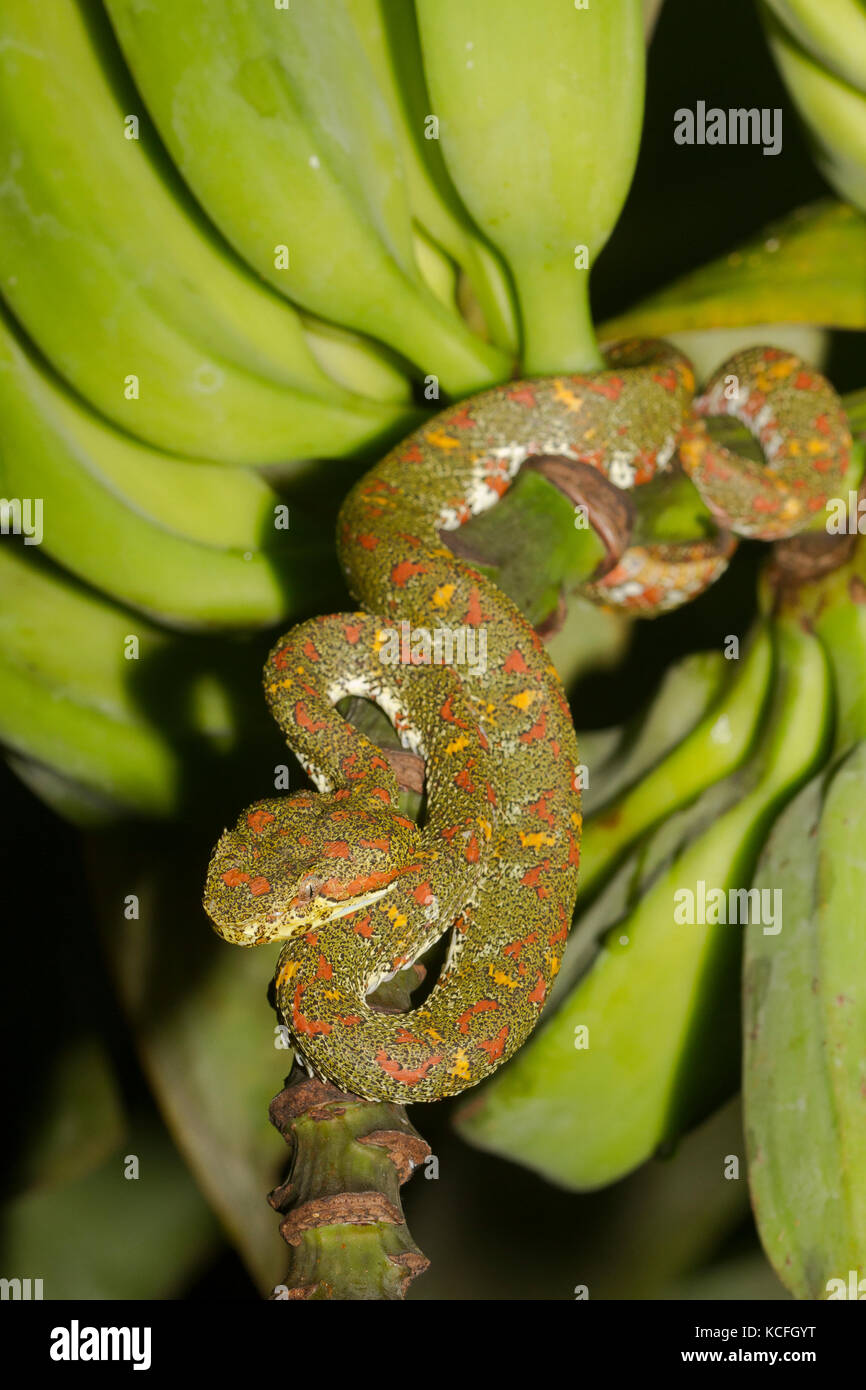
(292, 864)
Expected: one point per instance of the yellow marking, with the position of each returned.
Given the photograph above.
(333, 994)
(443, 595)
(576, 819)
(500, 978)
(536, 840)
(458, 744)
(486, 828)
(440, 440)
(816, 446)
(794, 449)
(289, 970)
(434, 1037)
(566, 396)
(524, 699)
(398, 918)
(461, 1066)
(782, 369)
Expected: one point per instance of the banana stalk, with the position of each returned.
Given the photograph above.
(539, 110)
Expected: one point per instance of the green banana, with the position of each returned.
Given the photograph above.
(804, 990)
(832, 108)
(121, 282)
(715, 747)
(388, 29)
(833, 31)
(274, 119)
(152, 730)
(618, 758)
(657, 1004)
(192, 544)
(540, 111)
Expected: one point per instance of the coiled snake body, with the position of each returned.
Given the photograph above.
(355, 889)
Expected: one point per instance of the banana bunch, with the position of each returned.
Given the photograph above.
(232, 249)
(804, 991)
(642, 1038)
(820, 49)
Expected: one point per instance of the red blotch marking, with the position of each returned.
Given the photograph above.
(235, 877)
(514, 662)
(610, 389)
(541, 809)
(667, 380)
(539, 994)
(303, 1025)
(482, 1006)
(412, 454)
(523, 395)
(280, 659)
(364, 927)
(310, 650)
(406, 570)
(383, 845)
(515, 948)
(324, 971)
(353, 633)
(472, 851)
(423, 894)
(257, 820)
(532, 879)
(496, 1046)
(336, 849)
(305, 720)
(367, 542)
(538, 731)
(259, 886)
(464, 779)
(474, 611)
(408, 1076)
(448, 715)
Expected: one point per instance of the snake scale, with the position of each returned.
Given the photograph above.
(355, 889)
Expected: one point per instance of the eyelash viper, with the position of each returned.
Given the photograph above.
(355, 889)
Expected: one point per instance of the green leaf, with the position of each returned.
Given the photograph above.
(810, 267)
(108, 1236)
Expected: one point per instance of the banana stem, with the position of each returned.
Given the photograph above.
(558, 333)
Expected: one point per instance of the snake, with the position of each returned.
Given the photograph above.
(355, 890)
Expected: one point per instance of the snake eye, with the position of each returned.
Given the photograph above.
(308, 888)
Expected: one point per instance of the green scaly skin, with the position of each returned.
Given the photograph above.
(351, 885)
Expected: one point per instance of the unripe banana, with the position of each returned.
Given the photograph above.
(179, 540)
(388, 30)
(618, 758)
(659, 1003)
(713, 749)
(539, 109)
(122, 283)
(804, 1036)
(833, 110)
(832, 31)
(274, 119)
